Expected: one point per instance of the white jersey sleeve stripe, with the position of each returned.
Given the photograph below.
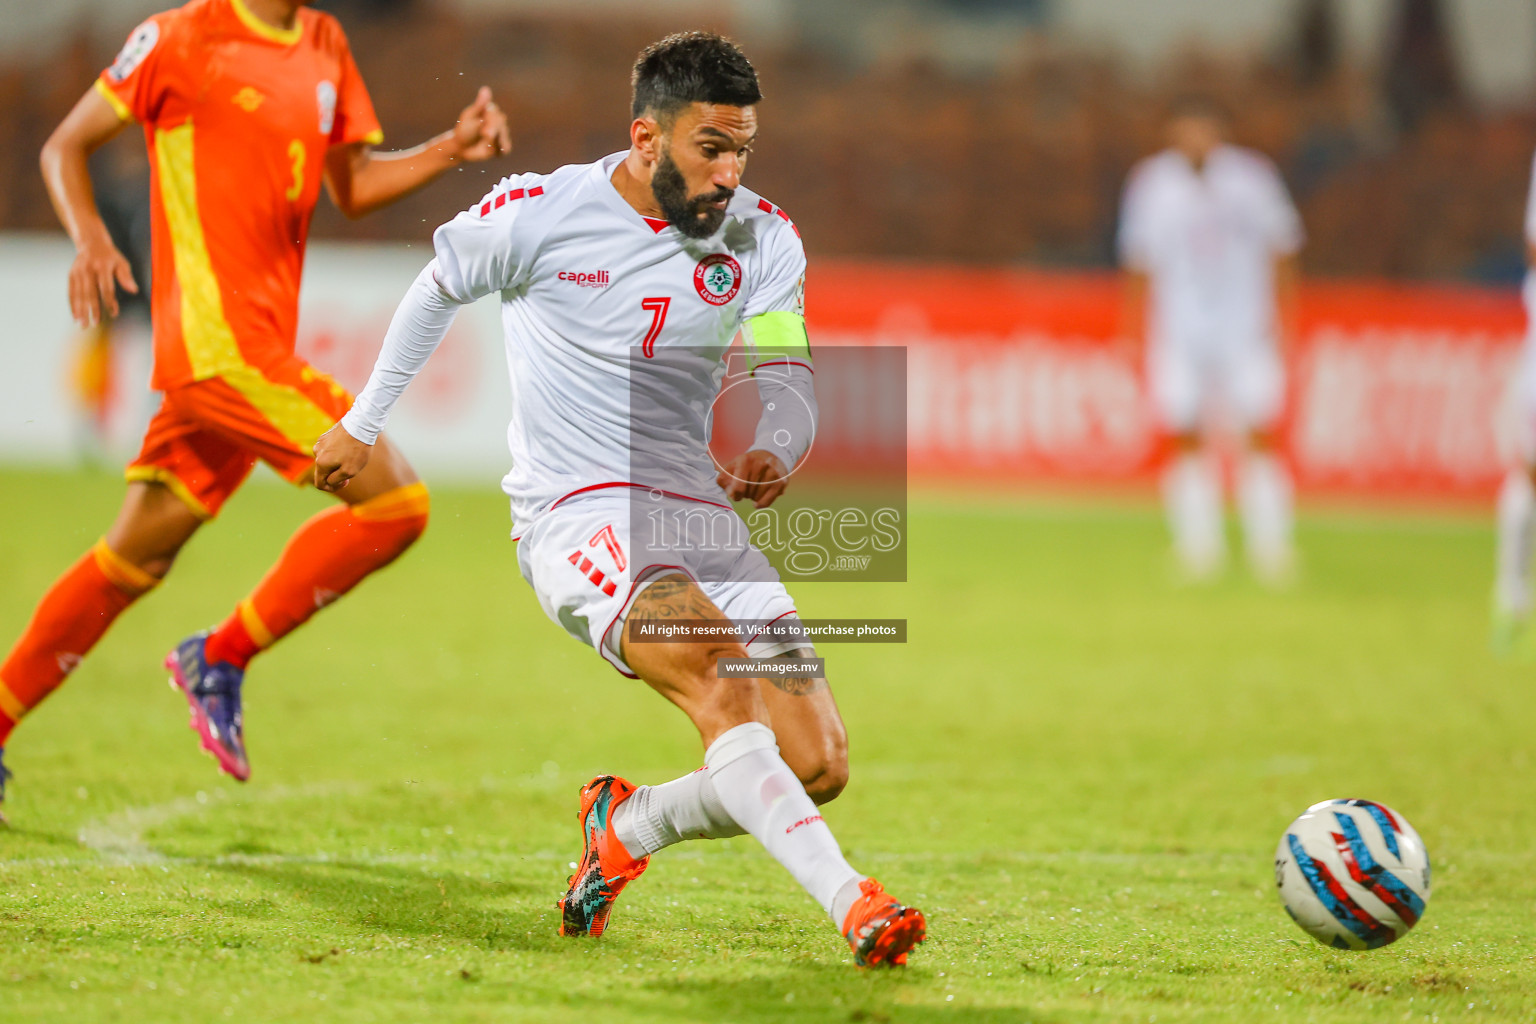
(481, 251)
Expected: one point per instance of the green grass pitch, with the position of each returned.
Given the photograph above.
(1078, 770)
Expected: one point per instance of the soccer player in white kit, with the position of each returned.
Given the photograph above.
(622, 284)
(1208, 237)
(1517, 498)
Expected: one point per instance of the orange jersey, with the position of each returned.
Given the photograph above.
(238, 117)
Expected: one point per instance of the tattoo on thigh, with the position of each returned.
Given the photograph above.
(797, 686)
(677, 597)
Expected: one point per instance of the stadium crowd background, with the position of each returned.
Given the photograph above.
(956, 168)
(978, 131)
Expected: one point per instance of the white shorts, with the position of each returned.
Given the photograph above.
(1515, 420)
(585, 570)
(1244, 384)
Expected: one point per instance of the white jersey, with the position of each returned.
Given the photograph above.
(595, 297)
(1525, 388)
(1208, 241)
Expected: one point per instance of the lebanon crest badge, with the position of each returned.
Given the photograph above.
(717, 279)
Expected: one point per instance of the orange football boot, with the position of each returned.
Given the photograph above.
(880, 930)
(605, 868)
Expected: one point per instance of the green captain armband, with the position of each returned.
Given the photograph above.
(776, 336)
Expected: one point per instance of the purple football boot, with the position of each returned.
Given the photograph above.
(213, 694)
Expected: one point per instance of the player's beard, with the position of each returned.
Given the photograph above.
(693, 216)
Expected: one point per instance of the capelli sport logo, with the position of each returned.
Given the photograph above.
(596, 279)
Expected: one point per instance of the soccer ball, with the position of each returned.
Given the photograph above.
(1353, 874)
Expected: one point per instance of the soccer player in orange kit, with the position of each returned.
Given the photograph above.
(247, 106)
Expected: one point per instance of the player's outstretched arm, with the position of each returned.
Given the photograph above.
(476, 256)
(421, 320)
(361, 180)
(780, 353)
(98, 267)
(784, 435)
(756, 476)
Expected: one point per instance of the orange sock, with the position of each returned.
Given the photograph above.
(70, 618)
(325, 558)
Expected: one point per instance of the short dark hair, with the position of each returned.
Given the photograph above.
(691, 67)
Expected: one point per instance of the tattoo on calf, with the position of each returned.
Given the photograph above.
(797, 686)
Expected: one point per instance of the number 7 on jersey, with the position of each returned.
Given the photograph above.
(658, 308)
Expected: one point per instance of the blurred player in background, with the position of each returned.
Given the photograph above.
(120, 174)
(1208, 238)
(1517, 498)
(622, 285)
(247, 106)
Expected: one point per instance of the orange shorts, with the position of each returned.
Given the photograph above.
(205, 439)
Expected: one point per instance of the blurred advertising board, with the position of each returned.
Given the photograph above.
(1011, 376)
(452, 422)
(1393, 389)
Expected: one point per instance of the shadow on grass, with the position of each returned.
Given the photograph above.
(498, 916)
(822, 993)
(403, 901)
(14, 835)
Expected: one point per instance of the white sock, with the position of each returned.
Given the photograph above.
(843, 901)
(762, 795)
(1192, 498)
(1264, 497)
(655, 817)
(1517, 513)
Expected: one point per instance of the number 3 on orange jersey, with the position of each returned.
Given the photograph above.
(296, 154)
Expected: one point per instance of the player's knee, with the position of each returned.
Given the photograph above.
(151, 528)
(827, 785)
(403, 510)
(159, 568)
(151, 555)
(827, 775)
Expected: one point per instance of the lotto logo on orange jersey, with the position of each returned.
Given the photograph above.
(596, 279)
(248, 99)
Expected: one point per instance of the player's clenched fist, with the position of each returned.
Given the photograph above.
(757, 475)
(94, 278)
(481, 132)
(338, 458)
